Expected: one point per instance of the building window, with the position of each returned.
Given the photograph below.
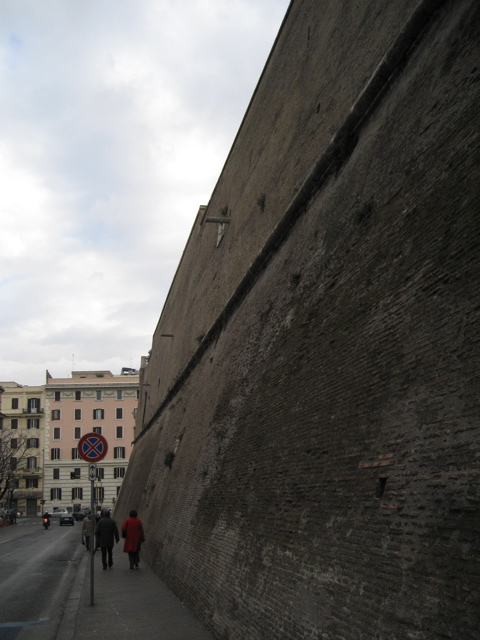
(55, 494)
(119, 414)
(56, 413)
(77, 493)
(78, 395)
(57, 396)
(14, 423)
(119, 472)
(119, 433)
(33, 423)
(31, 463)
(119, 452)
(119, 394)
(75, 454)
(14, 403)
(99, 494)
(97, 430)
(98, 414)
(32, 483)
(98, 395)
(33, 443)
(55, 454)
(77, 433)
(118, 490)
(78, 414)
(14, 443)
(100, 473)
(56, 474)
(33, 405)
(56, 433)
(13, 464)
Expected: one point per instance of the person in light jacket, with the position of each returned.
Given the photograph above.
(132, 531)
(87, 531)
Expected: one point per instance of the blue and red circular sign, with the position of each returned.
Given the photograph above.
(92, 447)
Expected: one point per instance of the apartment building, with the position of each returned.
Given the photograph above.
(22, 440)
(89, 401)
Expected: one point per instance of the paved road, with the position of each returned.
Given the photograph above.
(37, 569)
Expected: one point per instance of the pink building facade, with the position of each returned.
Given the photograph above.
(89, 401)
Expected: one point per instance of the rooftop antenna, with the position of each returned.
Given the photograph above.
(73, 362)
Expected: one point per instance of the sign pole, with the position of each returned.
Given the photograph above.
(92, 469)
(92, 448)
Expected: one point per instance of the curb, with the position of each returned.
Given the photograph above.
(66, 629)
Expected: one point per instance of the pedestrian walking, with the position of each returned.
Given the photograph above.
(107, 533)
(132, 531)
(98, 516)
(86, 531)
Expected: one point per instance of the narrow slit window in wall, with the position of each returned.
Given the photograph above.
(381, 482)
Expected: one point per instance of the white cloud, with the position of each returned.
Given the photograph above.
(117, 117)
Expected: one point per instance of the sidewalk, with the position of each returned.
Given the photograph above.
(127, 604)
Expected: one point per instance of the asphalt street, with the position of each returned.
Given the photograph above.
(37, 569)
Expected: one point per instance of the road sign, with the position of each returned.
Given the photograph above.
(92, 471)
(92, 447)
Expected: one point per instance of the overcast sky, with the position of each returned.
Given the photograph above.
(116, 117)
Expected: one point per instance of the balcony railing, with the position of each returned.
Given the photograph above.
(33, 411)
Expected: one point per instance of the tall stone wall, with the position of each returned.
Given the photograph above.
(316, 401)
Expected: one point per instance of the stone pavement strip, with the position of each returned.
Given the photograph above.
(127, 604)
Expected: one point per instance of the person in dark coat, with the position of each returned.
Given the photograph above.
(106, 532)
(132, 531)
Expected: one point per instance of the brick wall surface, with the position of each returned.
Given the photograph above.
(325, 482)
(306, 91)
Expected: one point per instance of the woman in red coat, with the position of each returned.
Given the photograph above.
(132, 531)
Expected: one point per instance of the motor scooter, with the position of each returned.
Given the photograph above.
(46, 523)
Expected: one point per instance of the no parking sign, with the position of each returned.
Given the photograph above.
(92, 447)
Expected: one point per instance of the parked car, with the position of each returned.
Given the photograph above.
(66, 518)
(57, 513)
(80, 514)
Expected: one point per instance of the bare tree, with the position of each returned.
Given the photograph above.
(14, 452)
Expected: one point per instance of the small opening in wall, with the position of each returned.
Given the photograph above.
(169, 458)
(381, 487)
